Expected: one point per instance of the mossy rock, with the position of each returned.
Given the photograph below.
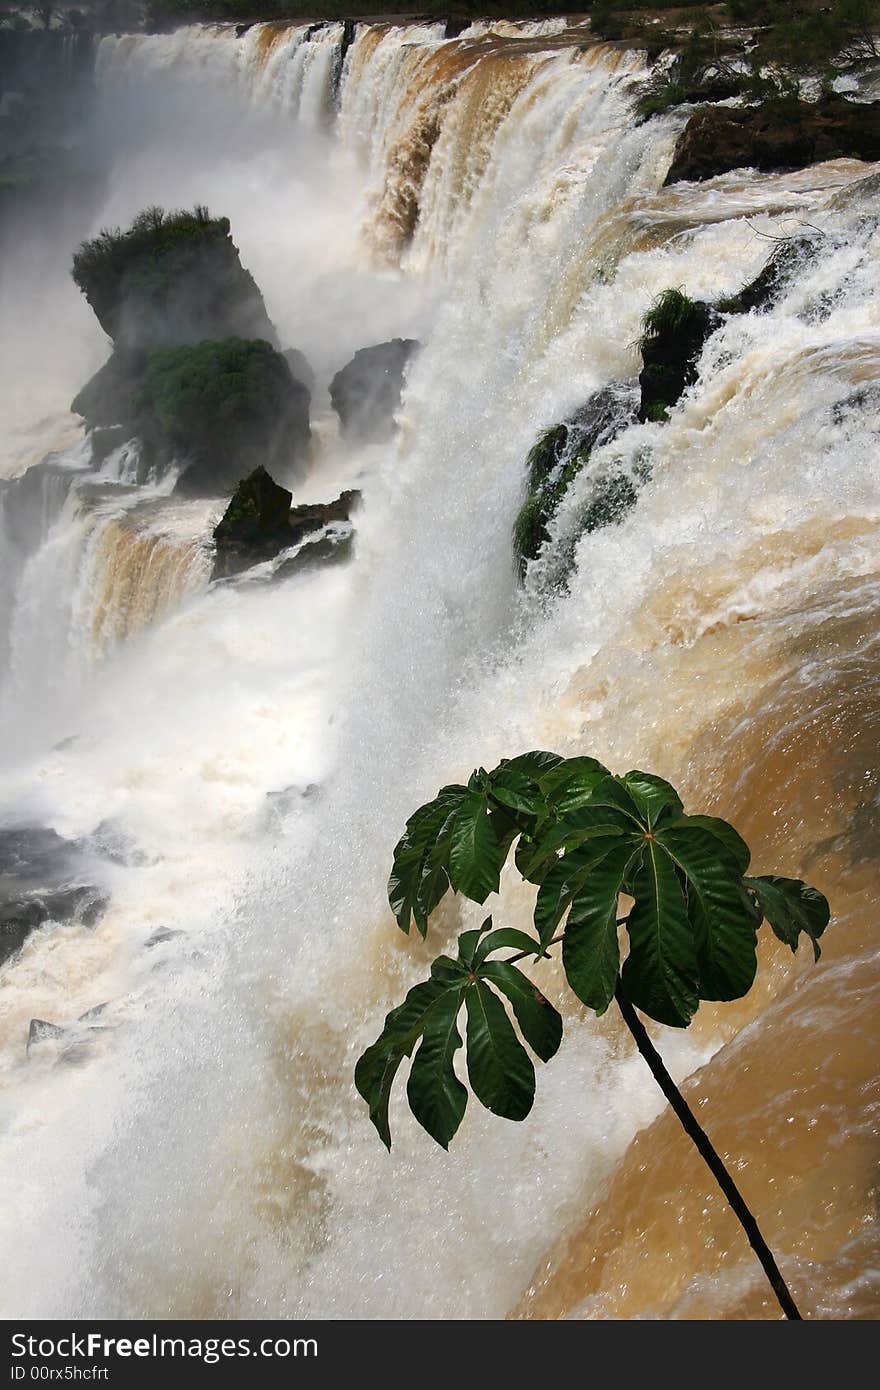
(554, 462)
(675, 331)
(171, 278)
(762, 292)
(782, 133)
(226, 408)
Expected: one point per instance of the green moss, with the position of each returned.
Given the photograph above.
(671, 312)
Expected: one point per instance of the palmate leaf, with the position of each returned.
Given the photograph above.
(412, 852)
(586, 838)
(475, 849)
(541, 1025)
(564, 880)
(590, 947)
(500, 1070)
(659, 975)
(377, 1067)
(651, 795)
(791, 907)
(435, 1094)
(721, 922)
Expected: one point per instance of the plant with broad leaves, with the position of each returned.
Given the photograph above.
(585, 838)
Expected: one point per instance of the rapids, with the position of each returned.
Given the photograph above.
(237, 760)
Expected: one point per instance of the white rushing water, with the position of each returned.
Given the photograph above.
(493, 197)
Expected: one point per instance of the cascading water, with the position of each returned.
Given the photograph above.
(236, 760)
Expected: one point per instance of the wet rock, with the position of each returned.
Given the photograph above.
(41, 882)
(556, 460)
(785, 260)
(676, 329)
(781, 134)
(260, 522)
(111, 841)
(105, 441)
(21, 917)
(160, 936)
(332, 548)
(31, 852)
(171, 278)
(366, 392)
(107, 399)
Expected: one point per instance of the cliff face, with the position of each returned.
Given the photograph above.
(172, 278)
(195, 373)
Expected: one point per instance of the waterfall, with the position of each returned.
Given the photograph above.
(261, 744)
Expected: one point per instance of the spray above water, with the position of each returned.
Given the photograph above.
(257, 746)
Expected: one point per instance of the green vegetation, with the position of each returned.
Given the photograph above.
(585, 838)
(142, 251)
(203, 391)
(674, 331)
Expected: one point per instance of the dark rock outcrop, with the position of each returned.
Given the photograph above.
(226, 407)
(762, 292)
(19, 917)
(366, 392)
(219, 408)
(171, 278)
(783, 134)
(40, 882)
(260, 522)
(195, 375)
(107, 399)
(676, 329)
(556, 460)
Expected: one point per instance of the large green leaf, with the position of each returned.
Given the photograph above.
(651, 795)
(572, 783)
(583, 823)
(516, 791)
(377, 1067)
(540, 1023)
(500, 1070)
(504, 936)
(660, 973)
(413, 849)
(434, 879)
(590, 948)
(612, 792)
(535, 765)
(563, 881)
(475, 850)
(723, 927)
(435, 1094)
(731, 840)
(791, 907)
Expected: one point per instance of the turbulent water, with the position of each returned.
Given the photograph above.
(236, 760)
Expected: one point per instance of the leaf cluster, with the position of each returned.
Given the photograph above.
(585, 838)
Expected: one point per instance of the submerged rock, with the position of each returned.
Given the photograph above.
(781, 134)
(762, 292)
(260, 522)
(366, 392)
(40, 882)
(556, 460)
(20, 917)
